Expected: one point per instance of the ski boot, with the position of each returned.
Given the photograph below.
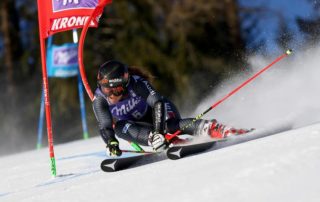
(220, 131)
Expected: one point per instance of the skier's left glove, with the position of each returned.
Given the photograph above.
(113, 147)
(157, 141)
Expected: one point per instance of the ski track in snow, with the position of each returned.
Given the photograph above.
(282, 167)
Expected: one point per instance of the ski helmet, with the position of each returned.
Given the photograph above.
(113, 74)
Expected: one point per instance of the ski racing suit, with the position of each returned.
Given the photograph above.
(141, 111)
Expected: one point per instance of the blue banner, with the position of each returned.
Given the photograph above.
(62, 61)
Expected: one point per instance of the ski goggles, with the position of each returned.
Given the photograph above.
(117, 91)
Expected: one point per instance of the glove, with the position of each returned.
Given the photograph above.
(157, 141)
(113, 146)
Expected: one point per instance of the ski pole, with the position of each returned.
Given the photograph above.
(138, 152)
(136, 147)
(287, 53)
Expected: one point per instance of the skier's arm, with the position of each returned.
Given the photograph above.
(155, 101)
(104, 118)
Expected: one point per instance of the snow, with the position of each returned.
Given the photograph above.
(281, 167)
(288, 90)
(256, 167)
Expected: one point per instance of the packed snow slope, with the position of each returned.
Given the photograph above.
(281, 167)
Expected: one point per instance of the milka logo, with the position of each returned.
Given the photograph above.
(65, 56)
(59, 5)
(65, 2)
(126, 128)
(124, 109)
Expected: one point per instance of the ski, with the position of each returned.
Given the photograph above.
(175, 152)
(179, 151)
(123, 162)
(130, 158)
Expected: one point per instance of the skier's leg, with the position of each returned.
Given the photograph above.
(187, 126)
(218, 130)
(175, 123)
(137, 132)
(171, 110)
(203, 127)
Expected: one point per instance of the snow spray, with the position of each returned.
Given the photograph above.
(287, 53)
(289, 92)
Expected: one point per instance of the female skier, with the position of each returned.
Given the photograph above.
(140, 114)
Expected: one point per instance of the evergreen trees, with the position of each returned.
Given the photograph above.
(189, 46)
(180, 42)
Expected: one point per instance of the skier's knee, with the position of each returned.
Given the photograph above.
(121, 128)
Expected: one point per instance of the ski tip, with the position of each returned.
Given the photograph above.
(289, 52)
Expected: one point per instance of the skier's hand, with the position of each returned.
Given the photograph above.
(157, 141)
(113, 147)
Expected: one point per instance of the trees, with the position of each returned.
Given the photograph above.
(180, 42)
(189, 46)
(11, 40)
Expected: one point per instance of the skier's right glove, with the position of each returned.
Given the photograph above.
(113, 147)
(157, 141)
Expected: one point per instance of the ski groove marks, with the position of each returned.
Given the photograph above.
(65, 177)
(4, 194)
